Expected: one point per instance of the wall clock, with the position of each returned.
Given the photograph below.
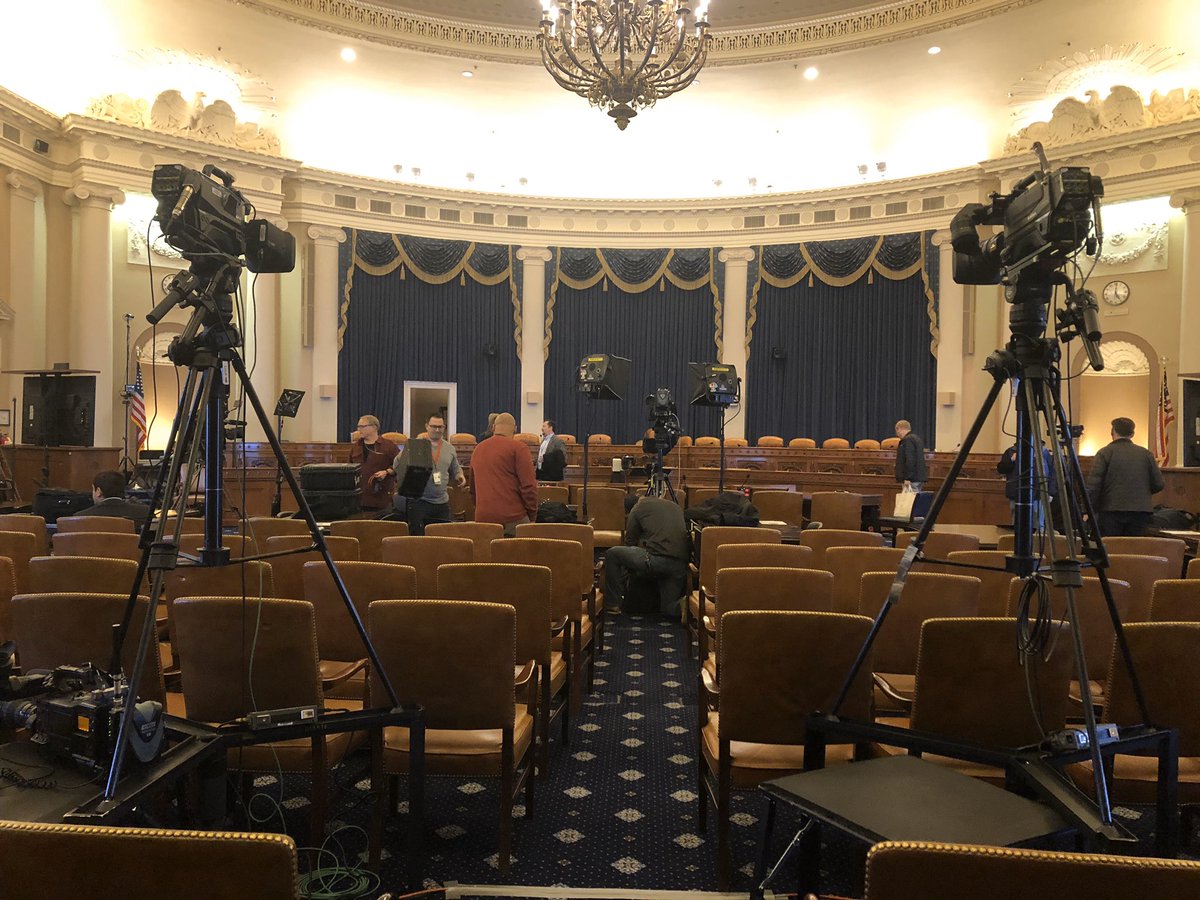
(1115, 293)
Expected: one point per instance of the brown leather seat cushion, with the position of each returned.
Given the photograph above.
(458, 752)
(755, 763)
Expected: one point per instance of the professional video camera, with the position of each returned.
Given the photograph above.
(663, 417)
(75, 711)
(202, 217)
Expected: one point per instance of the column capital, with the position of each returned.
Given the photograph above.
(96, 196)
(1188, 199)
(941, 238)
(534, 254)
(23, 185)
(277, 220)
(736, 255)
(326, 235)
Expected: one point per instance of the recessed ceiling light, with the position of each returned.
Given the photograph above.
(467, 73)
(349, 54)
(811, 73)
(934, 51)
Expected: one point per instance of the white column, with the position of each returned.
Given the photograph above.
(261, 335)
(1189, 306)
(326, 303)
(92, 323)
(949, 425)
(734, 293)
(533, 330)
(25, 338)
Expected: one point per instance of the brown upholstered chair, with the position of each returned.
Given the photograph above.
(779, 556)
(802, 444)
(1141, 572)
(20, 547)
(463, 438)
(528, 590)
(1193, 568)
(837, 509)
(708, 440)
(528, 438)
(821, 539)
(598, 439)
(736, 442)
(776, 669)
(1176, 600)
(480, 534)
(262, 528)
(252, 580)
(835, 444)
(697, 495)
(425, 553)
(925, 596)
(338, 642)
(912, 870)
(220, 676)
(770, 440)
(370, 534)
(995, 582)
(568, 439)
(8, 587)
(558, 493)
(970, 686)
(849, 564)
(866, 444)
(705, 578)
(1040, 541)
(606, 509)
(72, 524)
(105, 863)
(74, 628)
(474, 726)
(780, 506)
(238, 546)
(1172, 549)
(35, 525)
(112, 544)
(940, 544)
(81, 574)
(287, 572)
(395, 437)
(889, 443)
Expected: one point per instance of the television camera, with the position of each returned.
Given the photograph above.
(663, 417)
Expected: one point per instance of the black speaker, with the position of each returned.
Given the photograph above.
(329, 477)
(418, 456)
(59, 410)
(714, 384)
(603, 377)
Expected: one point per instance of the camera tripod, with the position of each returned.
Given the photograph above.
(659, 484)
(1030, 361)
(207, 344)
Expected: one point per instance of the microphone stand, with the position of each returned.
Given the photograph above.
(126, 465)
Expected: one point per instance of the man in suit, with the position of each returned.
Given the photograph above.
(552, 454)
(1122, 482)
(108, 492)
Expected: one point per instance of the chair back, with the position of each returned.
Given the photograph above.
(606, 508)
(191, 543)
(889, 443)
(566, 531)
(774, 589)
(1193, 568)
(481, 534)
(866, 444)
(837, 509)
(425, 553)
(780, 556)
(81, 574)
(994, 581)
(288, 571)
(925, 596)
(780, 506)
(464, 438)
(560, 557)
(1176, 600)
(736, 442)
(821, 539)
(849, 564)
(365, 582)
(213, 637)
(715, 536)
(557, 493)
(940, 544)
(1040, 541)
(770, 440)
(107, 863)
(1141, 572)
(72, 524)
(568, 439)
(20, 547)
(598, 439)
(802, 444)
(527, 589)
(262, 528)
(1172, 549)
(707, 440)
(1095, 623)
(8, 587)
(454, 657)
(911, 870)
(250, 579)
(114, 545)
(395, 437)
(779, 667)
(1166, 656)
(971, 686)
(35, 525)
(370, 534)
(835, 444)
(698, 495)
(74, 628)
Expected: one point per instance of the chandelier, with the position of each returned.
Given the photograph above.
(624, 55)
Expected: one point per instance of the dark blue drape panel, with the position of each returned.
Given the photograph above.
(403, 329)
(661, 331)
(854, 360)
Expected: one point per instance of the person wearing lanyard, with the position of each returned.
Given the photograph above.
(434, 504)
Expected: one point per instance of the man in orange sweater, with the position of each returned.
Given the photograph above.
(503, 482)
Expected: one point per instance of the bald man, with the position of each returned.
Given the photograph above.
(503, 481)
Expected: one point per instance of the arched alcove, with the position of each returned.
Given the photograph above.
(1128, 386)
(161, 381)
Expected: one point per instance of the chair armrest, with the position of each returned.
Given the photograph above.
(892, 694)
(522, 675)
(334, 677)
(557, 626)
(711, 627)
(708, 684)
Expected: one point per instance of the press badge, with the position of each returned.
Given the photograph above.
(437, 478)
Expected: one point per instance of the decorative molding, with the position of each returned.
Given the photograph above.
(1124, 247)
(170, 113)
(736, 255)
(93, 195)
(534, 255)
(1123, 358)
(1121, 111)
(326, 235)
(22, 185)
(941, 238)
(887, 21)
(1188, 200)
(138, 223)
(1075, 72)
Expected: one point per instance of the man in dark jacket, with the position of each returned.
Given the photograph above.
(658, 550)
(108, 491)
(910, 458)
(1122, 482)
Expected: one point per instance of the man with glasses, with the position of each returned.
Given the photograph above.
(374, 455)
(434, 503)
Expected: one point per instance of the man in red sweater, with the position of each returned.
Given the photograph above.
(503, 482)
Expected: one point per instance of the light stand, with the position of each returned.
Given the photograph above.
(287, 405)
(716, 385)
(601, 376)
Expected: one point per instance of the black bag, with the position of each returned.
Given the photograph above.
(729, 508)
(1172, 519)
(50, 503)
(553, 511)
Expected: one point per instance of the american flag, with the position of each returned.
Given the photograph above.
(137, 408)
(1166, 415)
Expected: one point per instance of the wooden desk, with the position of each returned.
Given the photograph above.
(36, 467)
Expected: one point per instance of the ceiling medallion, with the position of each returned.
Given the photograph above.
(623, 55)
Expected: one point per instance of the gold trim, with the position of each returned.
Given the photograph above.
(518, 300)
(344, 310)
(718, 293)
